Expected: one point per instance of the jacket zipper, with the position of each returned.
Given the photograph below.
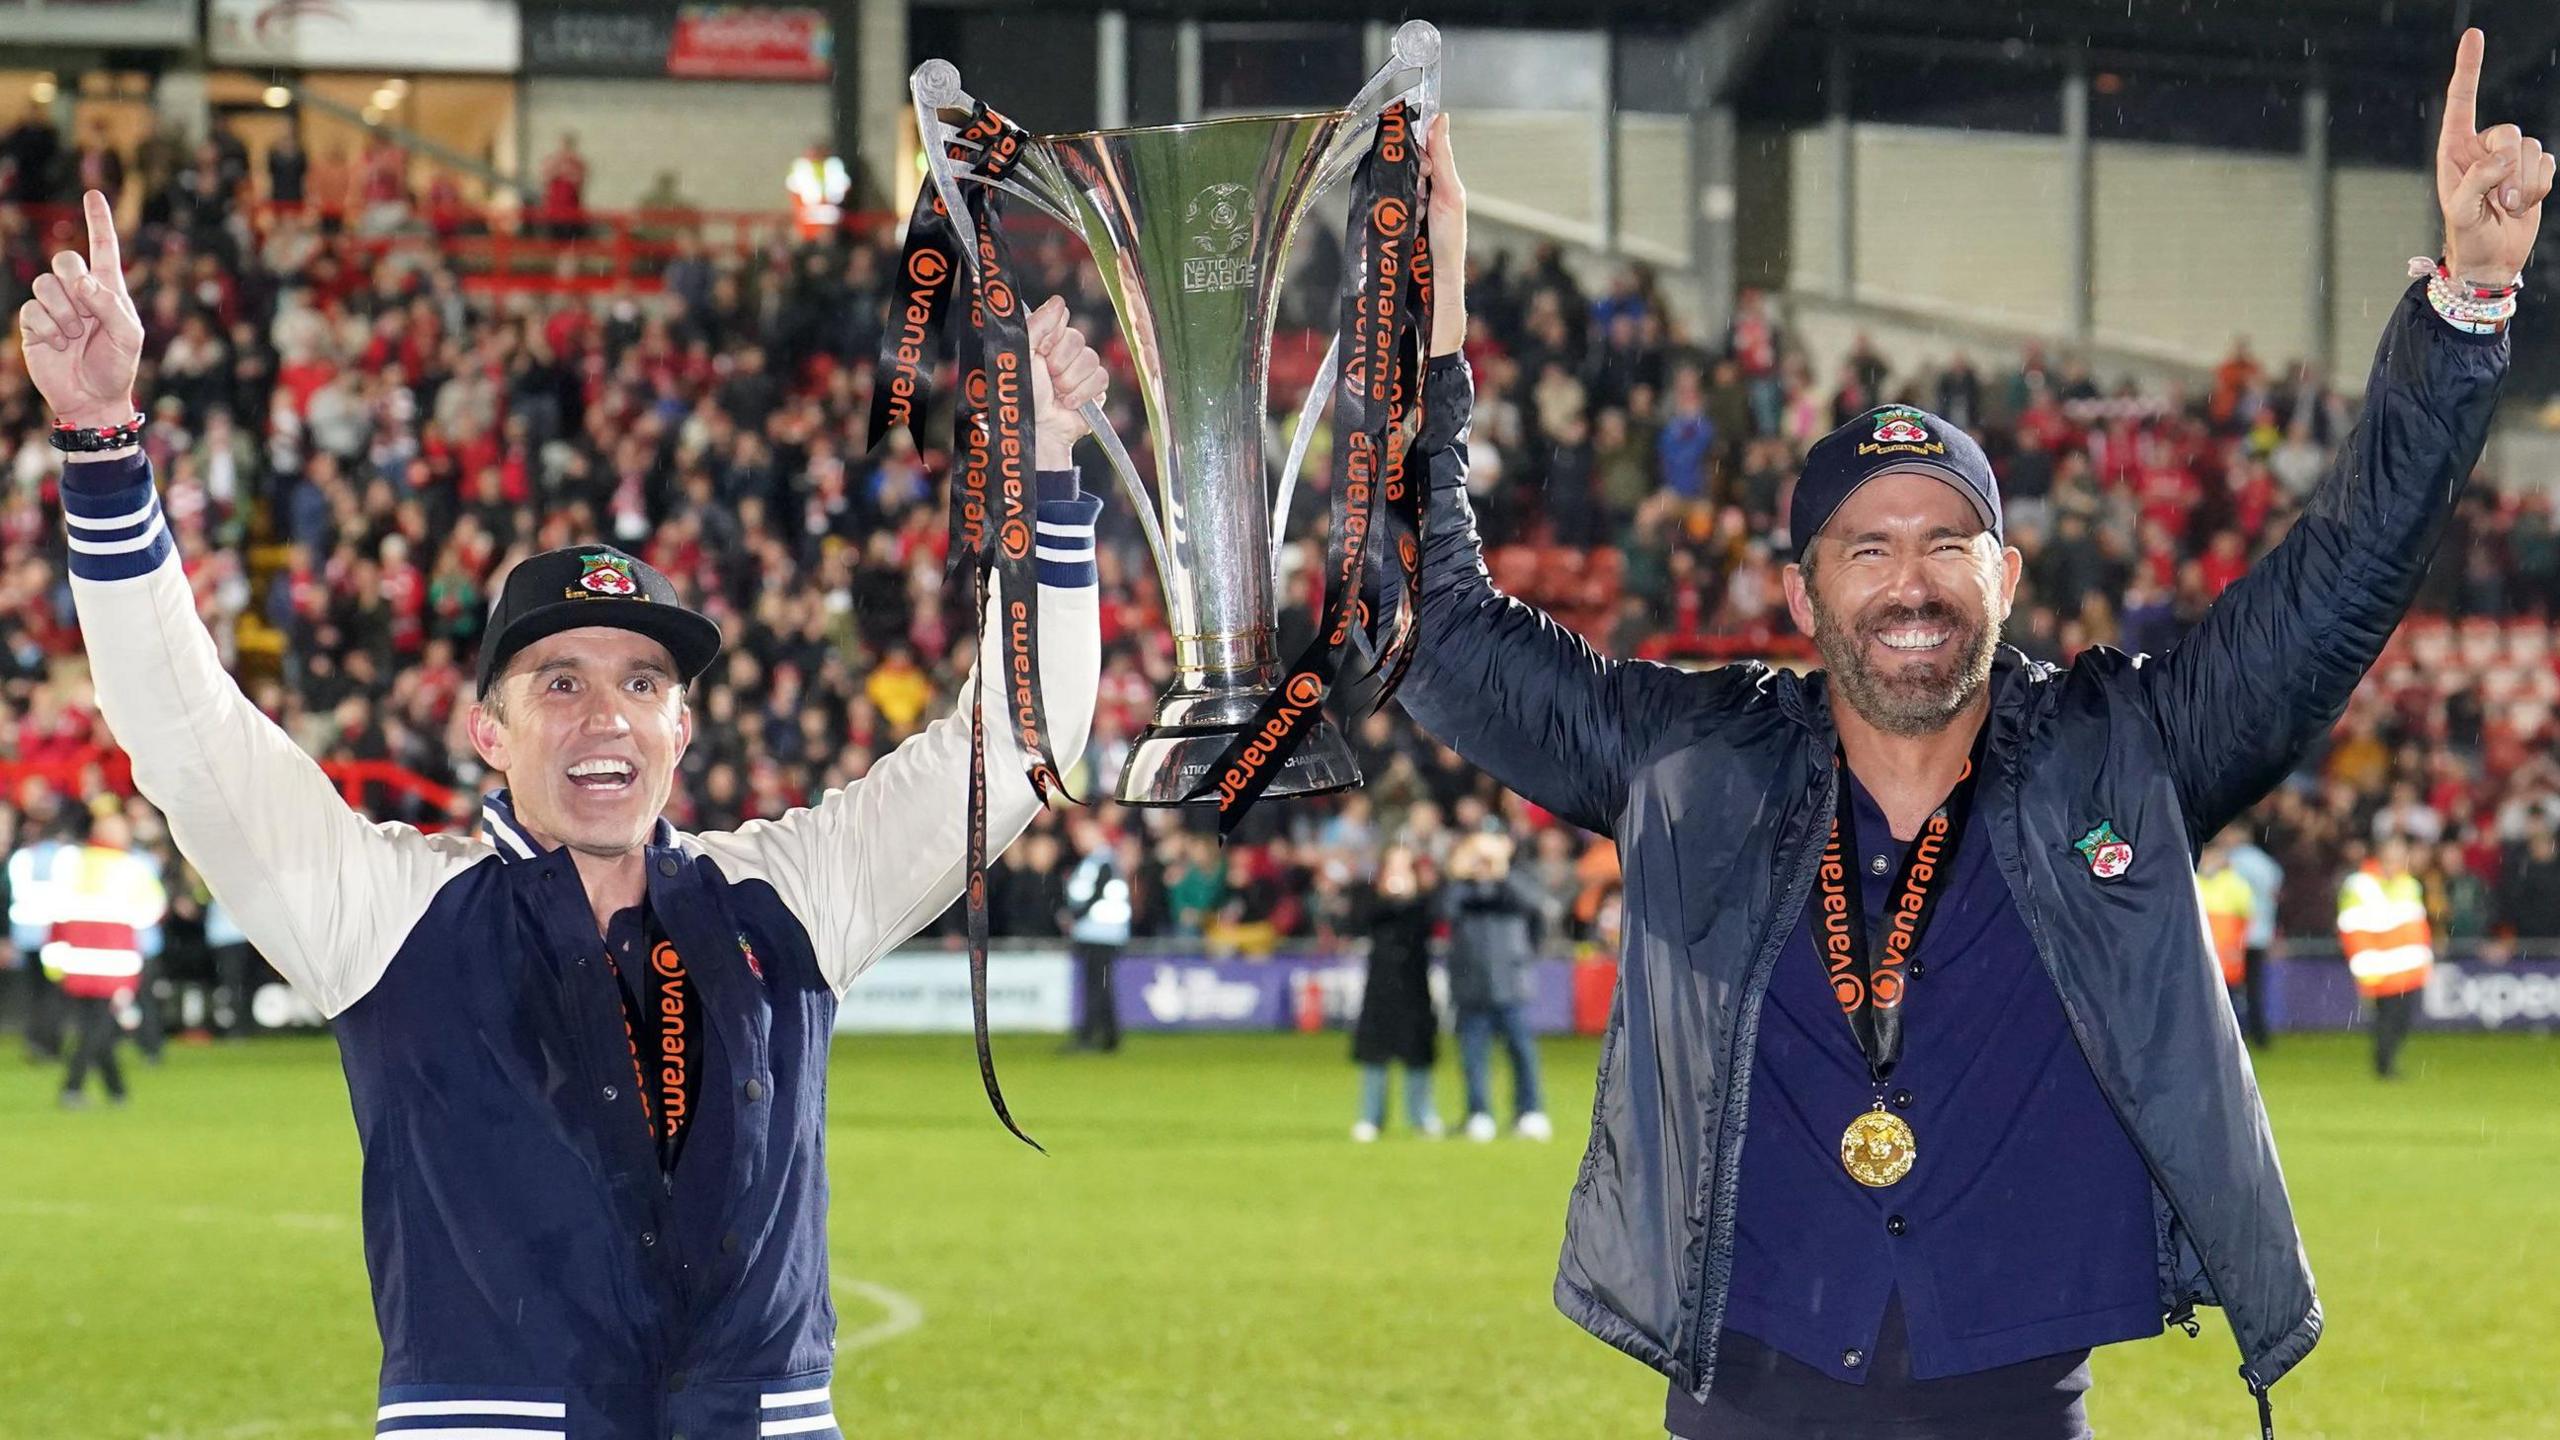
(1737, 1103)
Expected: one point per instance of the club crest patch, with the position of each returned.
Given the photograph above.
(607, 575)
(2108, 853)
(1901, 426)
(1901, 430)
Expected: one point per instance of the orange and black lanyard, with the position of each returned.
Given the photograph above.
(1870, 981)
(662, 1020)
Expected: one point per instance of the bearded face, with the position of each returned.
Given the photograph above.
(1904, 594)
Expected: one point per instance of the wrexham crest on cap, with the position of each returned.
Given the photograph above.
(1900, 425)
(2108, 853)
(607, 575)
(1900, 431)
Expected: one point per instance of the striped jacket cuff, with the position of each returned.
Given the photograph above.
(1064, 533)
(113, 515)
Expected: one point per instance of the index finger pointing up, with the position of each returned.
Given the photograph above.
(2462, 96)
(106, 257)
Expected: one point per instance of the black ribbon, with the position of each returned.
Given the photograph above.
(1870, 981)
(1405, 497)
(1376, 391)
(994, 496)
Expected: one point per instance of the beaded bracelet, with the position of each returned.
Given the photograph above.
(80, 440)
(2467, 305)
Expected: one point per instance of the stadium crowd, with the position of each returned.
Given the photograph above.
(355, 443)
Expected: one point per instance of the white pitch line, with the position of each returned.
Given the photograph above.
(178, 1214)
(902, 1314)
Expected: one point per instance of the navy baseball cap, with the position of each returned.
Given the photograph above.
(580, 585)
(1889, 440)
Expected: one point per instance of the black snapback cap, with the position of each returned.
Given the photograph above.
(581, 585)
(1888, 440)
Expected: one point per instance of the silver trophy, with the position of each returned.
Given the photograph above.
(1191, 226)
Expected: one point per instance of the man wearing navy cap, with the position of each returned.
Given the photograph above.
(1923, 925)
(586, 1051)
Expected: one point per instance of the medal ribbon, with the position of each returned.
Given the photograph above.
(666, 1009)
(1404, 499)
(1377, 391)
(993, 499)
(1870, 981)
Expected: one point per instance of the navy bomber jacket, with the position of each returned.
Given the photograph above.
(1718, 787)
(536, 1273)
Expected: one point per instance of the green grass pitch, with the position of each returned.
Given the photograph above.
(1206, 1254)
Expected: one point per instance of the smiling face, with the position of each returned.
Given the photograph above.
(587, 725)
(1904, 593)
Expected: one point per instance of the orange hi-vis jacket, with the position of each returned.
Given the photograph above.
(2229, 905)
(2383, 925)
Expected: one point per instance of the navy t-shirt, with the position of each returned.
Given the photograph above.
(2025, 1228)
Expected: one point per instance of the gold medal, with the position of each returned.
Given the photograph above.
(1877, 1149)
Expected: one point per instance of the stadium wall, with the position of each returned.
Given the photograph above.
(2193, 246)
(731, 143)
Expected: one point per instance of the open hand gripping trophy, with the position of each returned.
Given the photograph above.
(1190, 226)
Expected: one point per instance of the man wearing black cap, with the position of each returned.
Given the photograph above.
(587, 1052)
(1923, 924)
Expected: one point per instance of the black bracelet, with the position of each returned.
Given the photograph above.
(73, 440)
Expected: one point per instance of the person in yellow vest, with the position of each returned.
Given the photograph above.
(98, 902)
(2382, 923)
(2230, 904)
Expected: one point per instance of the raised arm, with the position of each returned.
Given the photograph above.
(324, 894)
(2272, 665)
(873, 862)
(1497, 680)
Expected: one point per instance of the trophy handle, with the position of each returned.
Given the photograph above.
(1109, 437)
(1309, 411)
(934, 87)
(1412, 72)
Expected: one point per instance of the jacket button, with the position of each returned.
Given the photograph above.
(648, 1239)
(1902, 1099)
(755, 1090)
(1918, 969)
(611, 1093)
(729, 1243)
(1852, 1359)
(666, 864)
(1895, 1225)
(1878, 865)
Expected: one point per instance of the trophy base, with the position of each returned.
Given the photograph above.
(1168, 763)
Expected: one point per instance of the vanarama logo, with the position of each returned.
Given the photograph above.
(1303, 693)
(1020, 677)
(927, 269)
